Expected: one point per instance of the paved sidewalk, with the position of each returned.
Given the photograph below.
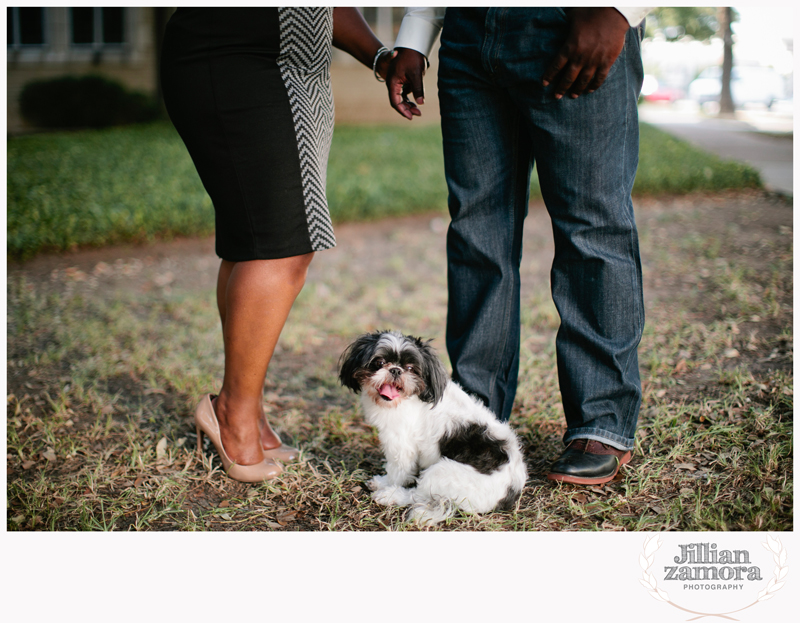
(761, 139)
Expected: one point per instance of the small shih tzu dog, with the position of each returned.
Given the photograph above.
(459, 455)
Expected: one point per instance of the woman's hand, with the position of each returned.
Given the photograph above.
(382, 67)
(405, 76)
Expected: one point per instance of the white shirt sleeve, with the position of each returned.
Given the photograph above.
(419, 29)
(634, 14)
(421, 26)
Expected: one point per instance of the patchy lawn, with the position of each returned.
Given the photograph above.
(109, 350)
(70, 190)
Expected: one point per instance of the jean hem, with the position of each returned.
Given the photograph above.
(615, 441)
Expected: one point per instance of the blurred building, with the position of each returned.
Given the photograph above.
(120, 43)
(123, 43)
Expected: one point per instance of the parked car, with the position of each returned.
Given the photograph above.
(654, 91)
(749, 85)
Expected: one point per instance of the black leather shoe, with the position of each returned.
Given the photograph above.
(588, 462)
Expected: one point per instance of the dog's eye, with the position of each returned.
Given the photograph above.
(379, 363)
(409, 368)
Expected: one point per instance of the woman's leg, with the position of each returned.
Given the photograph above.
(254, 299)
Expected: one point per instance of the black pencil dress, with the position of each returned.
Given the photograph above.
(249, 91)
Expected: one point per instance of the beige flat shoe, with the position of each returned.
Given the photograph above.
(205, 421)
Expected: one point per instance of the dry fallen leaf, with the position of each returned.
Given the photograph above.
(161, 448)
(138, 481)
(731, 353)
(688, 466)
(102, 268)
(164, 279)
(224, 504)
(49, 455)
(28, 464)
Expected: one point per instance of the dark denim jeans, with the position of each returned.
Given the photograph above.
(497, 120)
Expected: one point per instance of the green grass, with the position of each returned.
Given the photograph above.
(670, 165)
(102, 187)
(137, 183)
(376, 172)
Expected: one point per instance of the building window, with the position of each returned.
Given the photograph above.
(97, 26)
(25, 26)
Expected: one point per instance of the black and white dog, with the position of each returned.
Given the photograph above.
(432, 433)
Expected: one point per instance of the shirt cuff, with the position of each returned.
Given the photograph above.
(634, 14)
(419, 29)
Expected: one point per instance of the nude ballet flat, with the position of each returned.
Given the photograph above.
(205, 421)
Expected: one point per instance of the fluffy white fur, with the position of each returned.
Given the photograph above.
(410, 432)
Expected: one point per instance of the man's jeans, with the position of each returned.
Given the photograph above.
(497, 120)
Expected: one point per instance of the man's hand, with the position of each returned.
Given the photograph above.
(595, 39)
(403, 77)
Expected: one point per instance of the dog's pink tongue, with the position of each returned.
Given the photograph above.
(389, 391)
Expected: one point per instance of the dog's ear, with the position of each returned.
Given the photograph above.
(433, 373)
(356, 357)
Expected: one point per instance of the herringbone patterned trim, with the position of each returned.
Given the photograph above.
(304, 62)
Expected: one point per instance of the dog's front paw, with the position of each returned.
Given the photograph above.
(378, 482)
(392, 496)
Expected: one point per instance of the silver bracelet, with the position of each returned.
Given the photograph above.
(381, 51)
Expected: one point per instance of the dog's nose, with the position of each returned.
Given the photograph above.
(396, 372)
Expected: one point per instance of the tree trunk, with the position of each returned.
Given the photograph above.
(726, 105)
